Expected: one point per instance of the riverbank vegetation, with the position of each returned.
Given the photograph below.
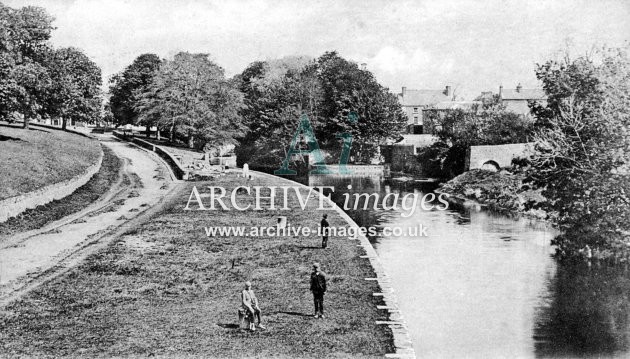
(166, 289)
(31, 159)
(503, 191)
(582, 157)
(579, 170)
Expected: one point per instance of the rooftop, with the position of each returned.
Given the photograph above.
(520, 93)
(410, 97)
(456, 105)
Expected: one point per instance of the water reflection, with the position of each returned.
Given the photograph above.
(588, 313)
(484, 285)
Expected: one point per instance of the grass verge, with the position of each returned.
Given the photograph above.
(31, 159)
(166, 289)
(41, 215)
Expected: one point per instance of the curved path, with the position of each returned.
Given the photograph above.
(32, 258)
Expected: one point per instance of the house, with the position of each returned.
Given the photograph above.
(415, 102)
(516, 100)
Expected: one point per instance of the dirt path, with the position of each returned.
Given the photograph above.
(35, 257)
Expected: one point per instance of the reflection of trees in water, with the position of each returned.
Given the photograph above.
(588, 313)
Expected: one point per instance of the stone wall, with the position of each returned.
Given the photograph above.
(501, 155)
(179, 172)
(13, 206)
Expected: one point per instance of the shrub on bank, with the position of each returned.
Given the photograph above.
(500, 190)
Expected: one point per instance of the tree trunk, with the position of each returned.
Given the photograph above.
(26, 122)
(170, 134)
(148, 131)
(63, 123)
(157, 134)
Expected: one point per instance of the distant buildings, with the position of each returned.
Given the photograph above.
(417, 104)
(414, 102)
(516, 100)
(421, 105)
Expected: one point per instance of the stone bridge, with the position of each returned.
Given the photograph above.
(495, 157)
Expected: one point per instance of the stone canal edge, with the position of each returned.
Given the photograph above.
(403, 345)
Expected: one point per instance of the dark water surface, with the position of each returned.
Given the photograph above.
(482, 285)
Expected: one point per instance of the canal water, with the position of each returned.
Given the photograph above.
(482, 285)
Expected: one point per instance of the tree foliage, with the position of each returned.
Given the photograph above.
(23, 43)
(74, 91)
(125, 86)
(327, 89)
(37, 80)
(190, 97)
(583, 149)
(276, 92)
(348, 89)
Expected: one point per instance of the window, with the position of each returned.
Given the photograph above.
(415, 120)
(415, 110)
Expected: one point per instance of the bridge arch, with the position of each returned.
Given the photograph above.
(490, 165)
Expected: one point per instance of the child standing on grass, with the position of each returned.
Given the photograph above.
(318, 287)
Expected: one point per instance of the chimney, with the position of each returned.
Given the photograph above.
(364, 66)
(519, 87)
(404, 89)
(449, 92)
(500, 90)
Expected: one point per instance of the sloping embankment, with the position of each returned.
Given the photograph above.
(39, 165)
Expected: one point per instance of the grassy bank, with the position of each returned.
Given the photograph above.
(501, 191)
(166, 289)
(41, 215)
(31, 159)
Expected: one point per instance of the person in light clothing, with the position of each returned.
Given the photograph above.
(250, 303)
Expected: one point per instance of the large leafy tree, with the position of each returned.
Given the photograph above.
(125, 86)
(347, 89)
(276, 93)
(582, 155)
(24, 34)
(74, 92)
(190, 97)
(337, 96)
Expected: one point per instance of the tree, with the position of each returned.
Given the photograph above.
(348, 89)
(23, 45)
(75, 86)
(327, 90)
(276, 93)
(582, 154)
(125, 86)
(190, 96)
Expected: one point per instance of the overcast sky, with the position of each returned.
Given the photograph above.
(471, 45)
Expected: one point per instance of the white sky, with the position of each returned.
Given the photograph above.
(471, 45)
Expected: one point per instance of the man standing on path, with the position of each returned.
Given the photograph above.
(318, 287)
(325, 228)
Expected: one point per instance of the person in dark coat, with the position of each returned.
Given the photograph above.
(325, 228)
(318, 287)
